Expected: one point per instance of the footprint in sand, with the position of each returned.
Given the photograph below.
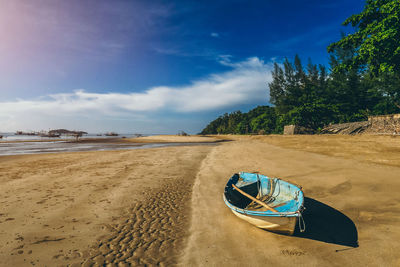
(341, 188)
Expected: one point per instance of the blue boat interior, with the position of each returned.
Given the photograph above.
(284, 197)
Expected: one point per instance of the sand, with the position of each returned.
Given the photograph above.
(353, 205)
(96, 207)
(163, 206)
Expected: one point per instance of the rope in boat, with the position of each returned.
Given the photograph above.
(259, 187)
(269, 198)
(266, 198)
(302, 224)
(275, 183)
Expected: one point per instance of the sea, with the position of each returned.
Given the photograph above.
(14, 137)
(12, 144)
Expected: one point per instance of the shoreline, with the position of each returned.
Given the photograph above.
(145, 139)
(100, 144)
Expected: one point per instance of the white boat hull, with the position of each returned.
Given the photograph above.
(279, 224)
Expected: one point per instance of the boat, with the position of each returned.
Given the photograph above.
(268, 203)
(111, 134)
(25, 133)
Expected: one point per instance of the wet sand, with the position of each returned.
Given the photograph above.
(163, 206)
(8, 148)
(177, 139)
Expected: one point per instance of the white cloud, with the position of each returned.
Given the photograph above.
(245, 83)
(214, 34)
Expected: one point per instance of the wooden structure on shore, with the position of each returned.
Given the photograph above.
(381, 124)
(296, 129)
(51, 135)
(76, 134)
(389, 124)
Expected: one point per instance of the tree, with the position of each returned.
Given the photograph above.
(277, 86)
(260, 118)
(377, 38)
(387, 87)
(375, 51)
(300, 96)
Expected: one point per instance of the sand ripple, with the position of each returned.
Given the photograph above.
(152, 234)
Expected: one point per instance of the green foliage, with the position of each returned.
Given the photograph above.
(376, 41)
(262, 118)
(313, 99)
(301, 96)
(370, 59)
(228, 123)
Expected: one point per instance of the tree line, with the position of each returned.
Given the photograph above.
(363, 79)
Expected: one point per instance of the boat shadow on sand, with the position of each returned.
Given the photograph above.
(326, 224)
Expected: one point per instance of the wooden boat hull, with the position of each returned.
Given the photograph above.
(283, 225)
(278, 203)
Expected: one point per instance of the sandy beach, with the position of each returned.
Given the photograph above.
(96, 207)
(163, 206)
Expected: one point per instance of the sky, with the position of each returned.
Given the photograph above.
(152, 67)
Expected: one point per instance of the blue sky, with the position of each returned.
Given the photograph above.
(151, 66)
